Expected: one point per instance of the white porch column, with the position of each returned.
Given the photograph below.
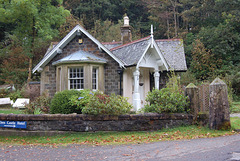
(136, 94)
(156, 79)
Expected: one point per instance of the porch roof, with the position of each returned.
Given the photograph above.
(171, 49)
(173, 52)
(131, 53)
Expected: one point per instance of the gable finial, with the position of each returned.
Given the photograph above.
(152, 36)
(152, 30)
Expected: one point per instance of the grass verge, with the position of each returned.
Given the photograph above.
(235, 122)
(10, 111)
(235, 107)
(117, 138)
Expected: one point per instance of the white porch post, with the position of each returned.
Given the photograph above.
(136, 94)
(156, 79)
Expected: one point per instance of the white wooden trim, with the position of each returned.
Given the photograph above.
(67, 39)
(97, 71)
(158, 51)
(160, 54)
(143, 54)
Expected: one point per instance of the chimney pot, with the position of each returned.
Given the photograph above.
(126, 21)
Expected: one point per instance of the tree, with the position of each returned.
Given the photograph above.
(223, 40)
(34, 21)
(167, 12)
(107, 31)
(113, 10)
(203, 63)
(14, 63)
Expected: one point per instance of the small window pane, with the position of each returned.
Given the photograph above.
(76, 78)
(94, 78)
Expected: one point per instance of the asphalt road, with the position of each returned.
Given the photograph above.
(213, 149)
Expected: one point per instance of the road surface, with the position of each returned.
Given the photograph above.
(211, 149)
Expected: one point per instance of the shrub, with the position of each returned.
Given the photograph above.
(102, 104)
(187, 78)
(40, 105)
(4, 93)
(15, 95)
(37, 111)
(167, 100)
(66, 102)
(81, 101)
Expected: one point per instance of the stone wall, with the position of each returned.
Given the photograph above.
(83, 123)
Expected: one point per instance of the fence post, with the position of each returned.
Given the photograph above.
(219, 114)
(193, 95)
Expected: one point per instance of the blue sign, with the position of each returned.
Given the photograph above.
(14, 124)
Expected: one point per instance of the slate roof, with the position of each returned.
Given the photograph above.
(126, 55)
(131, 53)
(173, 52)
(110, 45)
(80, 56)
(171, 49)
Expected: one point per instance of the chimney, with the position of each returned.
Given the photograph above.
(126, 35)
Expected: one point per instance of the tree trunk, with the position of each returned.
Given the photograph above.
(168, 31)
(29, 70)
(175, 21)
(32, 52)
(174, 5)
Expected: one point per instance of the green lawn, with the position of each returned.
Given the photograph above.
(11, 110)
(235, 107)
(235, 122)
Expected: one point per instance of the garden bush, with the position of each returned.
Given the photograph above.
(15, 95)
(102, 104)
(167, 100)
(61, 102)
(70, 101)
(82, 101)
(187, 78)
(40, 105)
(4, 93)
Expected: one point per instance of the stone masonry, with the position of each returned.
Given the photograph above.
(48, 75)
(85, 123)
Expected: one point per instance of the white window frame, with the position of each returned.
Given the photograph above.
(78, 74)
(95, 78)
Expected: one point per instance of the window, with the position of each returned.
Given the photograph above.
(76, 78)
(94, 78)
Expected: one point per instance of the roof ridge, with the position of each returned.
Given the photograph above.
(115, 42)
(130, 43)
(168, 39)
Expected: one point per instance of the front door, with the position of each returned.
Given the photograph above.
(144, 84)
